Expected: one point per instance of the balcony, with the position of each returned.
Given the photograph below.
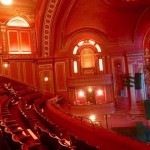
(93, 80)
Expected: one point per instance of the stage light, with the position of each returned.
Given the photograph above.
(6, 2)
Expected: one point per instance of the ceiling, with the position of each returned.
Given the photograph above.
(128, 3)
(25, 8)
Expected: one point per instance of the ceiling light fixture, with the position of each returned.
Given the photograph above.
(6, 2)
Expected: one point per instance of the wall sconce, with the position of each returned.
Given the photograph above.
(99, 92)
(46, 79)
(5, 64)
(90, 89)
(81, 94)
(92, 118)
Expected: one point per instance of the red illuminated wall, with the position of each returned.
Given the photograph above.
(19, 40)
(29, 73)
(46, 71)
(21, 71)
(60, 73)
(118, 30)
(13, 67)
(1, 66)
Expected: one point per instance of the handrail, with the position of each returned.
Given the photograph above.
(82, 119)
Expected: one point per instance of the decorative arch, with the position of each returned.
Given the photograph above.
(89, 42)
(70, 40)
(87, 51)
(142, 29)
(18, 22)
(19, 36)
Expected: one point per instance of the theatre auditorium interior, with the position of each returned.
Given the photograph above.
(74, 74)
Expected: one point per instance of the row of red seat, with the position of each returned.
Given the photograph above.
(99, 136)
(52, 141)
(13, 133)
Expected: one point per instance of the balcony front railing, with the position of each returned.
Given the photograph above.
(106, 79)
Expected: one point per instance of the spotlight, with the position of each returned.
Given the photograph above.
(6, 2)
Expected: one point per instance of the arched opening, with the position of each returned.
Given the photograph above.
(18, 36)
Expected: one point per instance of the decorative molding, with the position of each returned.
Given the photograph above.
(48, 17)
(60, 76)
(89, 81)
(19, 56)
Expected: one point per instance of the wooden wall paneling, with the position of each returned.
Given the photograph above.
(42, 83)
(49, 86)
(1, 42)
(60, 76)
(1, 66)
(6, 71)
(34, 74)
(47, 83)
(110, 96)
(72, 95)
(67, 70)
(40, 77)
(14, 70)
(13, 41)
(71, 67)
(46, 71)
(21, 72)
(29, 73)
(25, 41)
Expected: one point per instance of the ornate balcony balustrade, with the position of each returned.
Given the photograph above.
(94, 80)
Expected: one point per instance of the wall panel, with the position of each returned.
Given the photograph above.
(1, 66)
(46, 71)
(21, 72)
(14, 70)
(6, 71)
(13, 41)
(25, 41)
(60, 72)
(29, 73)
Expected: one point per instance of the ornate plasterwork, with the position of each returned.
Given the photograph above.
(48, 17)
